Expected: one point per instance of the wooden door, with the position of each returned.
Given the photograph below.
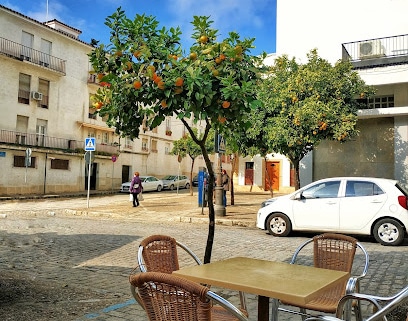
(272, 175)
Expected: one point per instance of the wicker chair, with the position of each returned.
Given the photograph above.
(166, 297)
(335, 252)
(382, 306)
(158, 253)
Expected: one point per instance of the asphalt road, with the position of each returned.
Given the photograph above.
(61, 245)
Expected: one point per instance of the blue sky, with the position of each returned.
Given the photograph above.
(250, 18)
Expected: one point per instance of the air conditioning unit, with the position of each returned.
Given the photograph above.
(36, 95)
(371, 49)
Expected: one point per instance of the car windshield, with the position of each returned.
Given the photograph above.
(169, 177)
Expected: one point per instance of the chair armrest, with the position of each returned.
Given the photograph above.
(294, 257)
(323, 318)
(227, 305)
(191, 253)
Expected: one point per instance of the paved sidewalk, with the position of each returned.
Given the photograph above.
(62, 244)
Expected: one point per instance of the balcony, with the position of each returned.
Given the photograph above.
(17, 51)
(377, 52)
(42, 141)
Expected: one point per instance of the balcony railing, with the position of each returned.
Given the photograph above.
(377, 52)
(37, 140)
(23, 53)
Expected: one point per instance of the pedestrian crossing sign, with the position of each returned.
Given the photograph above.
(221, 144)
(89, 144)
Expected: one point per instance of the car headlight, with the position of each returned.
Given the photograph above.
(267, 202)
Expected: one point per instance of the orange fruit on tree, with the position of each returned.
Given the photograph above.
(157, 79)
(137, 54)
(137, 84)
(151, 69)
(178, 90)
(179, 82)
(161, 84)
(100, 76)
(98, 105)
(193, 56)
(221, 119)
(215, 72)
(128, 65)
(218, 60)
(226, 104)
(203, 39)
(163, 103)
(222, 56)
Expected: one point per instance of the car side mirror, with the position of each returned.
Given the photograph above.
(299, 196)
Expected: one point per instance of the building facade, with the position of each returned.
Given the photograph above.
(372, 35)
(47, 114)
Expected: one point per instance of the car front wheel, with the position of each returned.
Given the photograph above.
(159, 188)
(279, 225)
(388, 232)
(171, 187)
(187, 186)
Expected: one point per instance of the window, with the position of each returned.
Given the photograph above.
(21, 126)
(41, 131)
(27, 45)
(168, 124)
(24, 89)
(60, 164)
(167, 149)
(105, 138)
(322, 190)
(128, 143)
(19, 161)
(381, 102)
(144, 145)
(44, 88)
(45, 52)
(357, 188)
(154, 146)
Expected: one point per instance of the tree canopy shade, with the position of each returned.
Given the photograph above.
(305, 104)
(148, 76)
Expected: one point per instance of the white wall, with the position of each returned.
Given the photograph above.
(304, 25)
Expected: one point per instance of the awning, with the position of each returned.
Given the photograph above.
(102, 128)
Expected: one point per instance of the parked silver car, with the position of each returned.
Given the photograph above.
(149, 183)
(173, 181)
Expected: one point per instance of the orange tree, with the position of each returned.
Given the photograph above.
(304, 104)
(147, 76)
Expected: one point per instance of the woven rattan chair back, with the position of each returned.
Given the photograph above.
(169, 298)
(335, 252)
(166, 297)
(160, 254)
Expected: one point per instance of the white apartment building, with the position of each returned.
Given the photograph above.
(46, 114)
(372, 34)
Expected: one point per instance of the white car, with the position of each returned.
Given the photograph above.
(149, 183)
(349, 205)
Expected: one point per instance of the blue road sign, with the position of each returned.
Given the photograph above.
(90, 144)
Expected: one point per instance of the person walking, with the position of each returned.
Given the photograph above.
(135, 188)
(225, 186)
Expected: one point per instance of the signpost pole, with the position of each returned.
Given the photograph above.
(89, 176)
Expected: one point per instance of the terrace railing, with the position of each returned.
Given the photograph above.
(23, 53)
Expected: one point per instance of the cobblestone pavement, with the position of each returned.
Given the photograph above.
(87, 253)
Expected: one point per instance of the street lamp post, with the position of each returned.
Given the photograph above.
(219, 208)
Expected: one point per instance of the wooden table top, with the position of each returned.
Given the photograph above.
(295, 284)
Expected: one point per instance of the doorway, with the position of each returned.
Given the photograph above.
(272, 170)
(92, 181)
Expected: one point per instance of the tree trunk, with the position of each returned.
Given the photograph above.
(211, 213)
(297, 177)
